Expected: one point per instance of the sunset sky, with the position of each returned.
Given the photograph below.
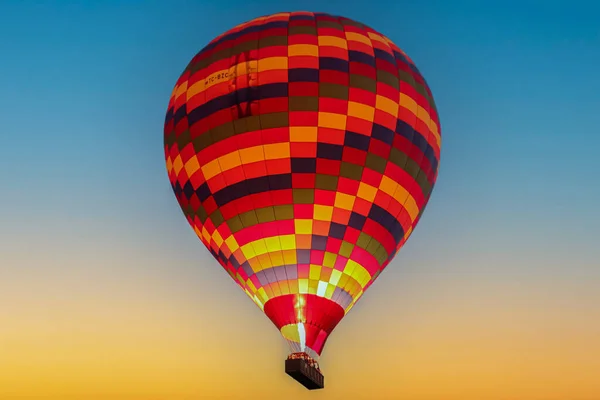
(106, 293)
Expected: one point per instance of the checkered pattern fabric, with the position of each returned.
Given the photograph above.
(302, 148)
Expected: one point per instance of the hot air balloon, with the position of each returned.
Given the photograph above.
(302, 148)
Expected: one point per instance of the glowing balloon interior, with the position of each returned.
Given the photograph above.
(302, 148)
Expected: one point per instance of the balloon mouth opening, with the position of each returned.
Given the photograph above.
(304, 320)
(296, 337)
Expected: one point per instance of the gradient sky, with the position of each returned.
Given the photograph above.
(106, 293)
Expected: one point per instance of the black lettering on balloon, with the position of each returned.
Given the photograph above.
(216, 78)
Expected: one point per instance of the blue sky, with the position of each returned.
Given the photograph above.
(85, 87)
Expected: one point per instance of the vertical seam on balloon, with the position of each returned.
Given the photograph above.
(418, 162)
(203, 75)
(351, 280)
(341, 290)
(236, 63)
(337, 293)
(316, 161)
(371, 238)
(403, 168)
(259, 115)
(283, 266)
(421, 171)
(390, 197)
(397, 67)
(336, 297)
(305, 309)
(295, 346)
(278, 236)
(233, 62)
(204, 95)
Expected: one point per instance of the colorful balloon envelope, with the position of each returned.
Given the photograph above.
(302, 148)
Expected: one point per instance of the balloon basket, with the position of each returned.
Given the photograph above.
(305, 371)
